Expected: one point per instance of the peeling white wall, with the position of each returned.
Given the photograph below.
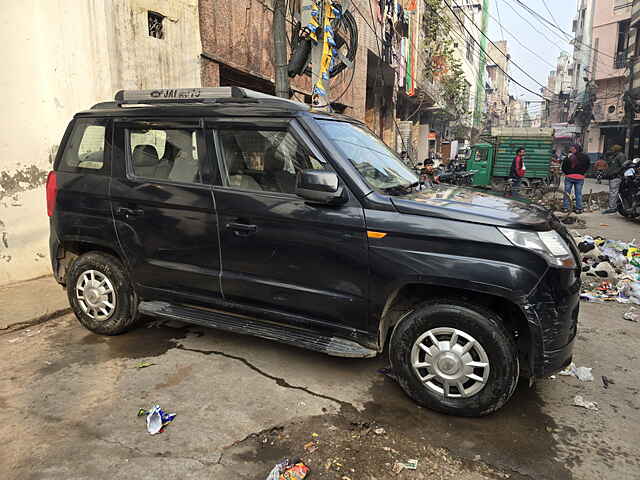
(61, 57)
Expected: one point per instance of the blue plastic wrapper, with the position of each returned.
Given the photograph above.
(157, 419)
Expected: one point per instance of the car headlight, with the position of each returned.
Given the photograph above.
(548, 244)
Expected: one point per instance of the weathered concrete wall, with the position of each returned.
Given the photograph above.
(62, 56)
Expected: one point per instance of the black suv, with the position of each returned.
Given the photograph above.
(240, 211)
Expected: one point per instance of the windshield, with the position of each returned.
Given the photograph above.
(378, 164)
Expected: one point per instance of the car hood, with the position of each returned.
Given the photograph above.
(469, 205)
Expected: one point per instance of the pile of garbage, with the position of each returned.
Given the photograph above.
(610, 269)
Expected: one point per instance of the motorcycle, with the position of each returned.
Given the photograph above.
(629, 193)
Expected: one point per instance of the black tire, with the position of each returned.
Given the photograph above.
(124, 314)
(486, 327)
(621, 209)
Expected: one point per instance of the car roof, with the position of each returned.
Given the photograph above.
(226, 109)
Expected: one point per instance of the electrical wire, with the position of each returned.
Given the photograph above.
(519, 42)
(499, 19)
(379, 78)
(490, 41)
(550, 13)
(597, 61)
(485, 52)
(544, 21)
(379, 40)
(503, 71)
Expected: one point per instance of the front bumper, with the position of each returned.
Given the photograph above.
(552, 314)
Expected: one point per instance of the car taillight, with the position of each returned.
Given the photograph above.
(52, 190)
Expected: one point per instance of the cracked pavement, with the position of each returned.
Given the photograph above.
(69, 400)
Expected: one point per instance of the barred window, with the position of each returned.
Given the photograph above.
(156, 25)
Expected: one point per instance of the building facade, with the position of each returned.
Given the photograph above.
(64, 57)
(583, 52)
(498, 96)
(466, 49)
(611, 27)
(143, 44)
(559, 90)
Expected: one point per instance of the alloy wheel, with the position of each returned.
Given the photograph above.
(450, 362)
(96, 295)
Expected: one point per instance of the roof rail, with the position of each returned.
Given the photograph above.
(199, 95)
(102, 105)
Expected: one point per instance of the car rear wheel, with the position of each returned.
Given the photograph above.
(100, 294)
(455, 357)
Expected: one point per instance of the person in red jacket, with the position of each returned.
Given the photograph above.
(574, 167)
(518, 170)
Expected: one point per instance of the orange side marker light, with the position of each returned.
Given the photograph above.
(372, 234)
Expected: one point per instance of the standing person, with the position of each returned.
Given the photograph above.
(574, 167)
(518, 170)
(616, 160)
(419, 172)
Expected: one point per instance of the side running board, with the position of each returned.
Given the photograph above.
(337, 347)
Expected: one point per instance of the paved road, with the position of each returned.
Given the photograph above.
(591, 185)
(68, 403)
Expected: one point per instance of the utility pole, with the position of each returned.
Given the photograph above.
(280, 48)
(482, 65)
(629, 109)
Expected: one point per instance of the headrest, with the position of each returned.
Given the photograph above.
(273, 160)
(145, 156)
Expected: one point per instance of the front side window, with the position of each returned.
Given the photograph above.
(165, 154)
(264, 160)
(379, 166)
(85, 149)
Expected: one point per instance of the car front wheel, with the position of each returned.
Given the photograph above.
(455, 357)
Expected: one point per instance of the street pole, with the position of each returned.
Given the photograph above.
(280, 49)
(629, 110)
(482, 65)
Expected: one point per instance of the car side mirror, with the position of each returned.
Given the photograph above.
(320, 187)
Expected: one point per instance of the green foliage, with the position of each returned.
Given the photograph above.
(440, 63)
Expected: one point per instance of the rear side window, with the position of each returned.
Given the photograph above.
(165, 154)
(84, 151)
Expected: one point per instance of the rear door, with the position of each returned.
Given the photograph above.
(164, 209)
(83, 211)
(278, 251)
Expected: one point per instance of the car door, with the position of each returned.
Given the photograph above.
(277, 250)
(164, 209)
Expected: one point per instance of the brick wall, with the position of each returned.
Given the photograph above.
(237, 33)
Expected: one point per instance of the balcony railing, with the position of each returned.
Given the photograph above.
(619, 60)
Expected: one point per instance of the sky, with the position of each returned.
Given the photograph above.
(545, 41)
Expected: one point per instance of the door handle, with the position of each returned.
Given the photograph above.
(129, 212)
(242, 229)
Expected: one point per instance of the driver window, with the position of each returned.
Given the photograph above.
(264, 160)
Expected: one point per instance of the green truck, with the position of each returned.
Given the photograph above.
(492, 160)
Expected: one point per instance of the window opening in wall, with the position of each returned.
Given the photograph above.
(621, 48)
(156, 29)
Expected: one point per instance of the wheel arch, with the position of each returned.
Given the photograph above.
(405, 298)
(72, 247)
